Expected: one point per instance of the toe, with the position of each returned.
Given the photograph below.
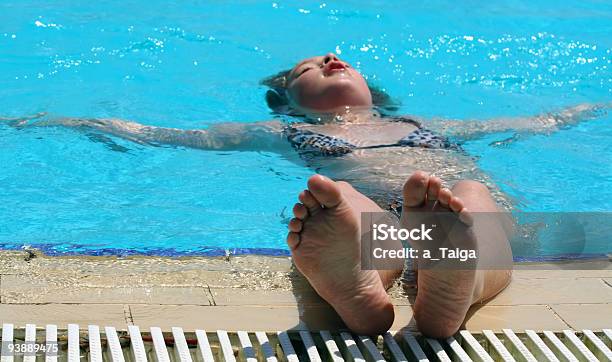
(456, 204)
(466, 217)
(293, 240)
(295, 225)
(300, 211)
(326, 191)
(312, 205)
(415, 189)
(433, 188)
(444, 197)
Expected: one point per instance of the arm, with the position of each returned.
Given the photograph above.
(541, 124)
(260, 136)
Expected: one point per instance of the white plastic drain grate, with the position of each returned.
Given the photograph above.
(95, 344)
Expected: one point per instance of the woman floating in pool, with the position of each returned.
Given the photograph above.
(342, 132)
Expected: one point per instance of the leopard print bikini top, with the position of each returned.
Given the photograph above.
(313, 143)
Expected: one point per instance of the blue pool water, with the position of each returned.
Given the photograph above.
(189, 64)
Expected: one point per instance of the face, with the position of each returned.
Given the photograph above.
(326, 84)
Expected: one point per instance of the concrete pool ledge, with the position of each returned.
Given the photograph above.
(265, 293)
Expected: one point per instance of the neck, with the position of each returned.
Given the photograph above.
(345, 115)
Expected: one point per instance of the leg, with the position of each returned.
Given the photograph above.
(325, 245)
(444, 296)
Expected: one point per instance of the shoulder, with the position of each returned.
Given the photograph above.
(273, 125)
(405, 119)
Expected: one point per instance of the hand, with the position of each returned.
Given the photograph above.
(20, 122)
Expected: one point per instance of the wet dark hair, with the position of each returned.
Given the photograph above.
(276, 96)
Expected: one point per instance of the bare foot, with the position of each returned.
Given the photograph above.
(444, 295)
(325, 244)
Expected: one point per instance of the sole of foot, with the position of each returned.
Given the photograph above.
(325, 242)
(444, 294)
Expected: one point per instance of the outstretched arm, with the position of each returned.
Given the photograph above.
(260, 136)
(542, 124)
